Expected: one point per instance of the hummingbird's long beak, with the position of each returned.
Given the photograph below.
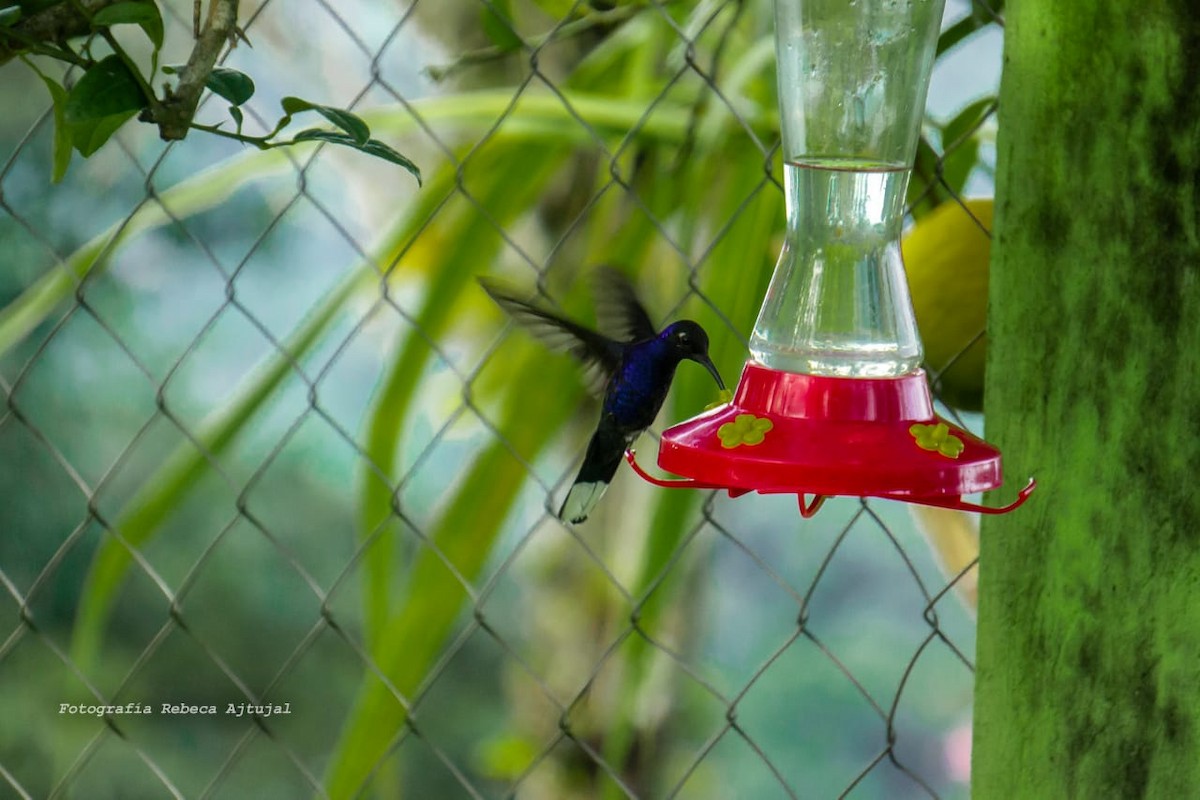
(711, 367)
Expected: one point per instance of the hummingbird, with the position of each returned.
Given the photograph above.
(630, 366)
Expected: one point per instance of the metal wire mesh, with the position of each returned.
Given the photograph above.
(249, 591)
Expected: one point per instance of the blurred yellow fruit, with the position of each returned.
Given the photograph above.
(946, 257)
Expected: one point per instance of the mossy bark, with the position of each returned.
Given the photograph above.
(1089, 618)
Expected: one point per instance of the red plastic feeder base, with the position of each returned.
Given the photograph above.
(799, 434)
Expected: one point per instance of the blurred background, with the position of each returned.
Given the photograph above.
(263, 439)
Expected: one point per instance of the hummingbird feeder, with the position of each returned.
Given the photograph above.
(834, 400)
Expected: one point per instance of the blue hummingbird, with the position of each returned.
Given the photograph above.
(631, 368)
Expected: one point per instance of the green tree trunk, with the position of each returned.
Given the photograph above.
(1089, 619)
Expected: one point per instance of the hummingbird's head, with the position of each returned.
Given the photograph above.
(688, 340)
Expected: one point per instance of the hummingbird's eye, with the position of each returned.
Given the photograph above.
(683, 337)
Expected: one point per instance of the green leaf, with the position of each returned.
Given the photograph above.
(10, 16)
(958, 165)
(351, 124)
(497, 23)
(89, 136)
(236, 113)
(372, 147)
(62, 138)
(322, 135)
(101, 102)
(144, 14)
(978, 18)
(925, 191)
(294, 105)
(967, 121)
(234, 86)
(380, 150)
(62, 134)
(960, 145)
(957, 32)
(106, 89)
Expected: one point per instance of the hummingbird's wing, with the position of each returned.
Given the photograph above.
(599, 355)
(618, 311)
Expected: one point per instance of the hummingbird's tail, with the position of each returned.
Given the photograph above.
(604, 455)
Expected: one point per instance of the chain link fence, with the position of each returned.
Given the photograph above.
(279, 486)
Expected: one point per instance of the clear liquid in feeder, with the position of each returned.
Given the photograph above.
(852, 83)
(838, 304)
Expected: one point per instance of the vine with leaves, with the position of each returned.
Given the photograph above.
(114, 89)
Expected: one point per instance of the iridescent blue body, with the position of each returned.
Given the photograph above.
(638, 388)
(634, 372)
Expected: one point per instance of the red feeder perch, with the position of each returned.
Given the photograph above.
(834, 401)
(806, 434)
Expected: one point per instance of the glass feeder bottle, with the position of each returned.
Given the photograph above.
(852, 80)
(833, 402)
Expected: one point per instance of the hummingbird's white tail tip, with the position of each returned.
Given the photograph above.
(581, 500)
